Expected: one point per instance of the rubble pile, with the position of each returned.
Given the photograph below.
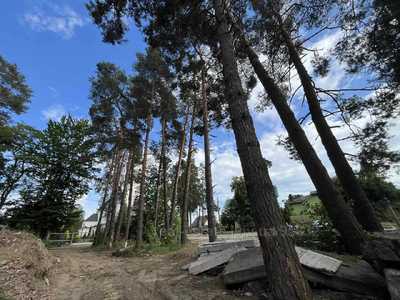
(240, 264)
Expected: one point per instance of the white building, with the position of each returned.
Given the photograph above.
(89, 226)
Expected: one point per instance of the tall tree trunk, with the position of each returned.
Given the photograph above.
(123, 207)
(178, 165)
(280, 257)
(102, 208)
(130, 199)
(113, 200)
(363, 209)
(104, 200)
(185, 198)
(140, 213)
(164, 173)
(157, 196)
(212, 234)
(338, 211)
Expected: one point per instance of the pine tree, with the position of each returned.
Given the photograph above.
(185, 197)
(278, 250)
(14, 92)
(362, 207)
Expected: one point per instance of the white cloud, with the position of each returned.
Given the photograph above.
(54, 112)
(289, 176)
(62, 20)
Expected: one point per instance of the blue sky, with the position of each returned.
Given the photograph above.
(56, 47)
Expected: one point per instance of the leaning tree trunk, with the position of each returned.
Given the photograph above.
(212, 234)
(140, 213)
(338, 211)
(185, 198)
(164, 173)
(363, 209)
(122, 209)
(130, 200)
(178, 165)
(280, 257)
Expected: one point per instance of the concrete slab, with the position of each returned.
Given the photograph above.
(318, 261)
(393, 282)
(358, 277)
(209, 262)
(226, 244)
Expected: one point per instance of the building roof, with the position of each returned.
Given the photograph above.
(296, 199)
(92, 218)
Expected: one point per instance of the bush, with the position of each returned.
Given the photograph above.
(151, 235)
(319, 234)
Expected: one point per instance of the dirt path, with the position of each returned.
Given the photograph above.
(83, 273)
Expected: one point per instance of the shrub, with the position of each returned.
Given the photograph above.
(319, 234)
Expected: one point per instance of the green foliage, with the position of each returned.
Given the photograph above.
(62, 165)
(150, 234)
(381, 193)
(113, 111)
(148, 250)
(17, 150)
(172, 236)
(169, 237)
(375, 157)
(238, 208)
(319, 234)
(197, 192)
(14, 92)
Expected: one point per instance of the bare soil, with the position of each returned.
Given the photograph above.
(84, 273)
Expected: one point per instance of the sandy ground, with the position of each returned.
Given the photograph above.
(84, 273)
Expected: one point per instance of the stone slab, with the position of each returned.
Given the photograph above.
(393, 282)
(226, 244)
(318, 261)
(357, 278)
(209, 262)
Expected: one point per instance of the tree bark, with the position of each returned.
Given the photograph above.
(212, 234)
(164, 174)
(363, 209)
(140, 213)
(178, 165)
(113, 200)
(123, 207)
(279, 254)
(131, 202)
(338, 211)
(185, 198)
(157, 196)
(104, 200)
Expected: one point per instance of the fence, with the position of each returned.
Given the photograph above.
(57, 239)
